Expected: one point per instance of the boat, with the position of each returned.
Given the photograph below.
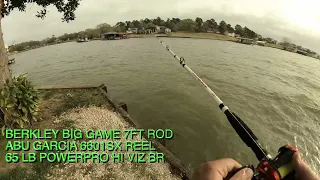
(11, 61)
(80, 40)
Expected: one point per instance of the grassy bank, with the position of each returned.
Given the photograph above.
(82, 109)
(141, 35)
(213, 36)
(278, 46)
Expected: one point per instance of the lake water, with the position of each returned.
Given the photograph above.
(277, 93)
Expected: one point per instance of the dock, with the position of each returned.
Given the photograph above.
(302, 52)
(114, 36)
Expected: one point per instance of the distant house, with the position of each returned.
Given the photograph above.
(216, 31)
(159, 29)
(154, 29)
(148, 31)
(231, 34)
(132, 30)
(212, 30)
(261, 43)
(167, 30)
(236, 35)
(6, 47)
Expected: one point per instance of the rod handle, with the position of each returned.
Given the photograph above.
(237, 170)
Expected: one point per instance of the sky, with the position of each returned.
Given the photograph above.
(298, 20)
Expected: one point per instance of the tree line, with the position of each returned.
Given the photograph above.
(175, 24)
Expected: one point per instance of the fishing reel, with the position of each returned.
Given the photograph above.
(278, 168)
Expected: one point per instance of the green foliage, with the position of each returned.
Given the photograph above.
(210, 24)
(66, 7)
(25, 45)
(199, 27)
(222, 27)
(249, 33)
(230, 28)
(187, 25)
(19, 103)
(239, 30)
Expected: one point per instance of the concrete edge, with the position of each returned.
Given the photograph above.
(175, 164)
(47, 87)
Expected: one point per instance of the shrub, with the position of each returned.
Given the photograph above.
(19, 104)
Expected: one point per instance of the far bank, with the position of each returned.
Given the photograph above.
(194, 35)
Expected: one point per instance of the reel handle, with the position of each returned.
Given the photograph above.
(278, 168)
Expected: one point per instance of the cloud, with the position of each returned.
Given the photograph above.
(297, 20)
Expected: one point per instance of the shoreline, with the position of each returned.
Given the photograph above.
(191, 35)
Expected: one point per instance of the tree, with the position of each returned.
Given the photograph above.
(162, 23)
(52, 39)
(230, 28)
(147, 21)
(174, 28)
(128, 24)
(93, 33)
(199, 22)
(269, 40)
(175, 20)
(64, 37)
(6, 6)
(249, 33)
(142, 24)
(104, 27)
(222, 27)
(149, 25)
(157, 21)
(136, 24)
(206, 26)
(286, 42)
(239, 30)
(212, 24)
(187, 25)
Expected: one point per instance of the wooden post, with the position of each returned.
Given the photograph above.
(104, 87)
(123, 106)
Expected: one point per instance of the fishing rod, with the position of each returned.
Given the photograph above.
(277, 168)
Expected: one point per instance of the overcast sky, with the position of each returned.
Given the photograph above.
(298, 20)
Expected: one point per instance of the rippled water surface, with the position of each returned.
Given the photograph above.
(276, 92)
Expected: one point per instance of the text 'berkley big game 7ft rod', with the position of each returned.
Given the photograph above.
(277, 168)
